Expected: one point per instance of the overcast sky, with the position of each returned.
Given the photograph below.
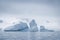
(41, 10)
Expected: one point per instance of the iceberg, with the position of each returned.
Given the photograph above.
(43, 29)
(33, 26)
(18, 27)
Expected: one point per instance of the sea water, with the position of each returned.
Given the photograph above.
(29, 35)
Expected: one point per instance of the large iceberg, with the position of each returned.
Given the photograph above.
(23, 27)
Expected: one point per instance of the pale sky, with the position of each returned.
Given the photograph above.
(41, 11)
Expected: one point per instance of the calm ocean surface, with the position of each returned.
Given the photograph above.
(29, 35)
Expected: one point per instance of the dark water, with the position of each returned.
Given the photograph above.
(29, 35)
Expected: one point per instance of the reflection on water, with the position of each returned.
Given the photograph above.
(29, 35)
